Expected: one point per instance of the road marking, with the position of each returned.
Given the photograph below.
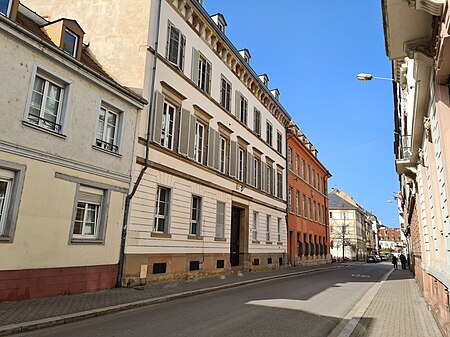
(351, 320)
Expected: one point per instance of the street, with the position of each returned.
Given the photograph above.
(307, 305)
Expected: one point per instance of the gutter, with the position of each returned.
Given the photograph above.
(147, 154)
(58, 51)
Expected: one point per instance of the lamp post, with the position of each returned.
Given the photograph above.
(369, 77)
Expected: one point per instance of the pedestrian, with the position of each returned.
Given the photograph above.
(403, 260)
(394, 261)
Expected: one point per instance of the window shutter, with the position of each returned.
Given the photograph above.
(233, 158)
(249, 168)
(191, 137)
(182, 47)
(273, 180)
(195, 60)
(157, 115)
(211, 147)
(90, 195)
(184, 132)
(263, 176)
(217, 151)
(237, 97)
(208, 77)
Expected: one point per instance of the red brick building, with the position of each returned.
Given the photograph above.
(308, 230)
(390, 234)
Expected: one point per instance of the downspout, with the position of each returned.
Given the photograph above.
(288, 132)
(147, 154)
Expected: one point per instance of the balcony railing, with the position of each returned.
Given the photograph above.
(405, 147)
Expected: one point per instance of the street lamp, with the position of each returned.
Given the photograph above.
(368, 77)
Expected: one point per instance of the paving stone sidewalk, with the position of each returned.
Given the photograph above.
(399, 310)
(57, 309)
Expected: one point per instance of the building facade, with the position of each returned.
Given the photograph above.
(211, 157)
(417, 43)
(66, 152)
(308, 233)
(351, 232)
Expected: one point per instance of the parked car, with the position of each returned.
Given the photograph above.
(371, 259)
(378, 258)
(384, 258)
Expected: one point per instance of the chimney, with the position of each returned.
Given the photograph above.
(246, 55)
(220, 21)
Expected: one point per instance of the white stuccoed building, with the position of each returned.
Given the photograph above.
(213, 195)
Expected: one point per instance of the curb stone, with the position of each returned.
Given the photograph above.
(7, 330)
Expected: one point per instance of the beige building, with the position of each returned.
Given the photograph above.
(417, 41)
(211, 192)
(66, 153)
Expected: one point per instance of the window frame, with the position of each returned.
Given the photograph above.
(223, 146)
(220, 217)
(257, 172)
(243, 109)
(225, 96)
(279, 184)
(64, 106)
(268, 219)
(255, 226)
(269, 133)
(181, 47)
(198, 220)
(167, 210)
(116, 145)
(199, 150)
(75, 44)
(290, 201)
(166, 123)
(290, 158)
(297, 203)
(203, 66)
(242, 167)
(280, 142)
(279, 230)
(257, 121)
(15, 173)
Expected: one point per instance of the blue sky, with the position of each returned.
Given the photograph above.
(312, 51)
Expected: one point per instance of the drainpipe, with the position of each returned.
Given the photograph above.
(288, 132)
(147, 154)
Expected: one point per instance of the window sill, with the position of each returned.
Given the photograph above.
(268, 242)
(36, 127)
(160, 235)
(220, 239)
(255, 241)
(195, 237)
(86, 241)
(98, 148)
(6, 239)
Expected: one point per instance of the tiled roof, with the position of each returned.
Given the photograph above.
(336, 202)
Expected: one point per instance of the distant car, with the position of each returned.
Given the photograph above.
(378, 258)
(384, 258)
(371, 259)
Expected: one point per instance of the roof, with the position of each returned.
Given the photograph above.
(336, 202)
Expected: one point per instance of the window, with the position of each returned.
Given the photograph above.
(198, 142)
(162, 210)
(204, 74)
(269, 133)
(303, 170)
(279, 230)
(257, 121)
(70, 43)
(309, 174)
(225, 94)
(304, 205)
(88, 214)
(255, 226)
(107, 129)
(167, 125)
(319, 210)
(290, 158)
(269, 179)
(196, 208)
(220, 220)
(318, 182)
(314, 177)
(5, 7)
(223, 155)
(46, 104)
(268, 228)
(290, 202)
(280, 142)
(241, 165)
(176, 43)
(297, 204)
(297, 164)
(6, 185)
(314, 211)
(309, 209)
(280, 184)
(242, 113)
(256, 173)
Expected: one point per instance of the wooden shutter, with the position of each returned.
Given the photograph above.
(195, 60)
(273, 180)
(233, 158)
(217, 151)
(184, 132)
(211, 147)
(191, 136)
(250, 169)
(237, 98)
(157, 116)
(263, 176)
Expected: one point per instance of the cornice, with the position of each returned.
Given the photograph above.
(210, 34)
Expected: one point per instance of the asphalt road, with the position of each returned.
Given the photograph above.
(305, 305)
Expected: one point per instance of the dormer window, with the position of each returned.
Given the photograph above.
(219, 21)
(5, 7)
(70, 43)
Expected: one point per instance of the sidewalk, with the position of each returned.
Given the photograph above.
(28, 315)
(398, 309)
